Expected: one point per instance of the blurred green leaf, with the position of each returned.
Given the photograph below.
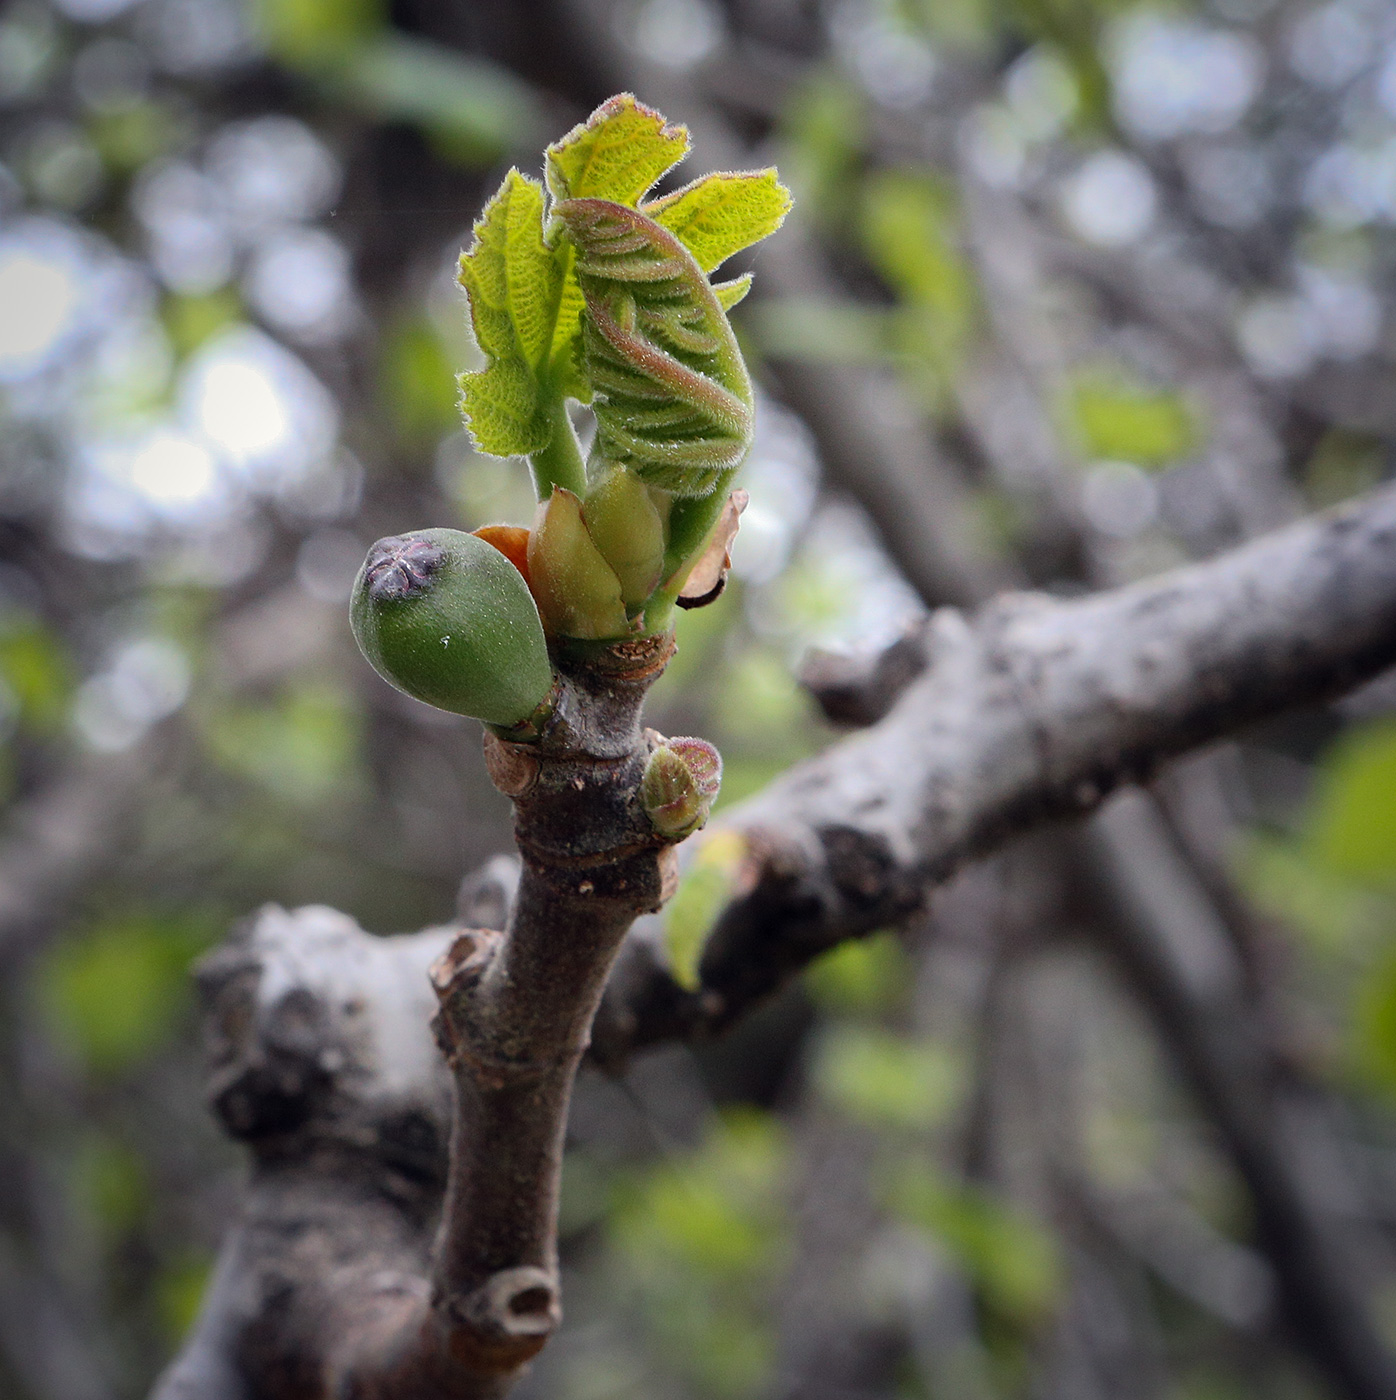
(1282, 878)
(812, 597)
(130, 135)
(702, 1240)
(824, 126)
(1012, 1259)
(1352, 831)
(190, 320)
(886, 1080)
(821, 331)
(1206, 1381)
(761, 703)
(1374, 1025)
(1074, 28)
(713, 1213)
(1343, 464)
(860, 977)
(115, 992)
(967, 24)
(419, 381)
(1121, 420)
(703, 892)
(179, 1293)
(911, 231)
(302, 748)
(472, 109)
(313, 33)
(35, 671)
(111, 1184)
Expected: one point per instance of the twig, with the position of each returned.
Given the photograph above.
(323, 1062)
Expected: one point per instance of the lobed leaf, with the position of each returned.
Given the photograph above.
(617, 153)
(514, 282)
(674, 402)
(722, 213)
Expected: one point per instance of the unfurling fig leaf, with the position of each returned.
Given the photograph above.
(617, 153)
(514, 282)
(445, 617)
(578, 592)
(679, 786)
(627, 525)
(673, 398)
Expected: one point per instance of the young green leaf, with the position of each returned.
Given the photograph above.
(514, 282)
(674, 399)
(617, 153)
(728, 294)
(722, 213)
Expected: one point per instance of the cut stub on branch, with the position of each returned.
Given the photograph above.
(708, 578)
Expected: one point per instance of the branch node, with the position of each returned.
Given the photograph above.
(454, 975)
(462, 965)
(512, 769)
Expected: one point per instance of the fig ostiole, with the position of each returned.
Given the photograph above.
(444, 616)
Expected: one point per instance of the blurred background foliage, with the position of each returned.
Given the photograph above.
(1129, 264)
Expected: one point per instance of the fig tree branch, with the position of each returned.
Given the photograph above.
(1035, 708)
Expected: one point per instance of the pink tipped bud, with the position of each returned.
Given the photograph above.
(679, 785)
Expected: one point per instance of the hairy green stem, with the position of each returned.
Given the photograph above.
(690, 523)
(560, 462)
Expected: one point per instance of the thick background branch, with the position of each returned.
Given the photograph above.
(1036, 709)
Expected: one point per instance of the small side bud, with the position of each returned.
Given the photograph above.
(626, 526)
(578, 592)
(679, 785)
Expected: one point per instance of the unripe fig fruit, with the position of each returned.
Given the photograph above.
(445, 617)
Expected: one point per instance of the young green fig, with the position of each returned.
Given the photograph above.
(445, 617)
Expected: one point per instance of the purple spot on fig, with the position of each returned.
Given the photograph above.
(401, 566)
